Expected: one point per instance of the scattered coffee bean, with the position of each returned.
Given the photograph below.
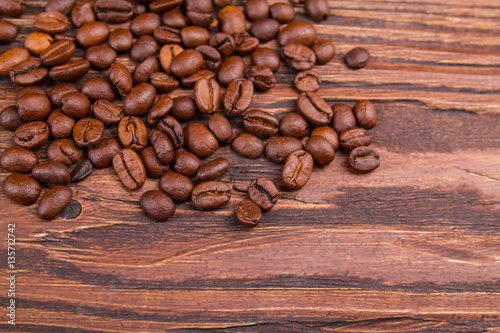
(260, 123)
(299, 32)
(213, 169)
(8, 32)
(210, 195)
(54, 201)
(21, 189)
(51, 22)
(265, 29)
(355, 137)
(71, 211)
(157, 205)
(75, 105)
(238, 96)
(87, 132)
(28, 73)
(60, 125)
(37, 42)
(18, 160)
(9, 118)
(247, 213)
(51, 172)
(121, 39)
(207, 95)
(357, 58)
(232, 68)
(343, 118)
(81, 171)
(100, 56)
(173, 129)
(256, 9)
(279, 148)
(31, 135)
(314, 108)
(329, 134)
(318, 10)
(102, 155)
(97, 88)
(107, 112)
(262, 77)
(365, 113)
(294, 125)
(11, 58)
(263, 192)
(232, 20)
(321, 150)
(282, 12)
(364, 159)
(70, 71)
(248, 145)
(307, 81)
(64, 151)
(129, 167)
(186, 163)
(297, 170)
(324, 51)
(33, 106)
(221, 128)
(199, 140)
(154, 167)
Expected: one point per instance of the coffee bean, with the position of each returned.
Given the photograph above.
(18, 160)
(21, 189)
(232, 68)
(307, 81)
(54, 201)
(245, 43)
(298, 57)
(9, 118)
(211, 57)
(343, 118)
(265, 29)
(101, 155)
(33, 106)
(167, 35)
(357, 58)
(207, 95)
(260, 123)
(51, 172)
(60, 125)
(314, 108)
(297, 170)
(186, 163)
(184, 108)
(64, 151)
(282, 12)
(204, 6)
(354, 138)
(12, 8)
(97, 88)
(143, 70)
(121, 39)
(173, 130)
(107, 112)
(100, 56)
(210, 195)
(318, 10)
(70, 71)
(365, 113)
(51, 22)
(190, 81)
(298, 32)
(154, 167)
(87, 132)
(75, 105)
(132, 133)
(163, 82)
(83, 13)
(160, 6)
(221, 128)
(61, 6)
(37, 42)
(58, 53)
(247, 213)
(145, 46)
(186, 63)
(31, 89)
(263, 192)
(174, 19)
(12, 57)
(113, 11)
(205, 20)
(157, 205)
(364, 159)
(232, 20)
(199, 140)
(279, 148)
(162, 145)
(324, 51)
(121, 78)
(28, 73)
(81, 171)
(92, 33)
(145, 24)
(262, 77)
(31, 135)
(256, 9)
(320, 149)
(72, 210)
(193, 36)
(329, 134)
(266, 57)
(140, 100)
(294, 125)
(248, 145)
(223, 42)
(238, 96)
(160, 109)
(129, 167)
(177, 186)
(167, 54)
(67, 37)
(213, 169)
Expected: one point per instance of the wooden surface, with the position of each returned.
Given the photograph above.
(413, 246)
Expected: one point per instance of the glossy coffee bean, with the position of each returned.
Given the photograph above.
(365, 113)
(221, 128)
(157, 205)
(193, 36)
(199, 140)
(33, 106)
(13, 8)
(260, 123)
(207, 95)
(202, 19)
(60, 125)
(211, 57)
(101, 155)
(163, 82)
(129, 167)
(54, 201)
(107, 112)
(160, 6)
(186, 163)
(238, 96)
(70, 71)
(307, 81)
(318, 10)
(184, 108)
(28, 73)
(298, 57)
(174, 19)
(176, 186)
(263, 192)
(299, 32)
(31, 135)
(51, 22)
(314, 108)
(247, 213)
(294, 125)
(8, 31)
(37, 42)
(93, 33)
(9, 118)
(256, 9)
(121, 39)
(64, 151)
(186, 63)
(83, 13)
(132, 133)
(82, 170)
(190, 81)
(154, 167)
(75, 105)
(297, 170)
(18, 160)
(12, 57)
(21, 189)
(61, 6)
(210, 195)
(265, 29)
(145, 46)
(97, 88)
(343, 118)
(232, 68)
(324, 51)
(145, 24)
(31, 89)
(140, 100)
(87, 132)
(51, 172)
(329, 134)
(355, 137)
(262, 77)
(320, 149)
(282, 12)
(58, 53)
(169, 52)
(167, 35)
(279, 148)
(143, 70)
(213, 169)
(121, 78)
(173, 130)
(245, 43)
(266, 57)
(162, 145)
(248, 145)
(65, 36)
(224, 43)
(199, 5)
(113, 11)
(232, 20)
(357, 58)
(364, 159)
(100, 57)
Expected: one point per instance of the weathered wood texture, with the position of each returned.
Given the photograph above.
(413, 246)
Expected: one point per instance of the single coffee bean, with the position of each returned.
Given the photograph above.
(211, 57)
(101, 155)
(355, 137)
(160, 109)
(87, 132)
(186, 163)
(320, 149)
(314, 108)
(205, 20)
(324, 51)
(357, 58)
(154, 167)
(279, 148)
(318, 10)
(298, 57)
(157, 205)
(31, 89)
(248, 145)
(13, 8)
(97, 88)
(263, 192)
(18, 160)
(51, 172)
(113, 11)
(184, 108)
(145, 46)
(54, 201)
(343, 118)
(232, 68)
(365, 113)
(265, 29)
(210, 195)
(307, 81)
(282, 12)
(294, 125)
(207, 95)
(266, 57)
(64, 151)
(12, 57)
(70, 71)
(167, 35)
(31, 135)
(204, 6)
(75, 105)
(199, 140)
(60, 125)
(71, 211)
(9, 118)
(145, 24)
(329, 134)
(176, 186)
(364, 159)
(68, 37)
(121, 39)
(247, 213)
(260, 123)
(162, 145)
(224, 43)
(221, 128)
(193, 36)
(232, 20)
(83, 13)
(100, 56)
(33, 106)
(190, 81)
(238, 96)
(8, 31)
(61, 6)
(28, 73)
(58, 53)
(213, 170)
(21, 189)
(107, 112)
(81, 171)
(167, 54)
(297, 170)
(262, 77)
(140, 100)
(129, 167)
(51, 22)
(174, 19)
(143, 70)
(245, 43)
(37, 42)
(163, 82)
(298, 32)
(93, 33)
(121, 78)
(256, 9)
(186, 63)
(133, 133)
(173, 130)
(160, 6)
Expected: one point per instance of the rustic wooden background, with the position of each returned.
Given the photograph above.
(413, 246)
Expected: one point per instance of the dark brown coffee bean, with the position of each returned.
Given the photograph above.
(59, 91)
(101, 155)
(210, 195)
(177, 186)
(211, 57)
(64, 151)
(355, 137)
(307, 81)
(21, 189)
(167, 35)
(357, 58)
(314, 108)
(75, 105)
(266, 57)
(133, 133)
(260, 123)
(247, 213)
(72, 210)
(294, 125)
(37, 42)
(68, 37)
(282, 12)
(365, 113)
(162, 106)
(364, 159)
(184, 108)
(204, 6)
(205, 20)
(207, 95)
(162, 145)
(343, 118)
(223, 3)
(265, 29)
(324, 51)
(298, 32)
(263, 192)
(87, 132)
(297, 170)
(83, 13)
(232, 68)
(143, 70)
(54, 201)
(213, 170)
(238, 96)
(298, 57)
(193, 36)
(97, 88)
(224, 43)
(199, 140)
(262, 77)
(58, 53)
(245, 43)
(18, 160)
(113, 11)
(320, 149)
(140, 100)
(70, 71)
(329, 134)
(13, 8)
(60, 125)
(256, 9)
(107, 112)
(154, 167)
(121, 78)
(100, 56)
(93, 33)
(278, 149)
(157, 205)
(61, 6)
(51, 172)
(190, 81)
(33, 106)
(232, 20)
(145, 24)
(221, 128)
(171, 127)
(186, 163)
(167, 54)
(145, 46)
(51, 22)
(318, 10)
(121, 39)
(31, 89)
(9, 118)
(12, 57)
(81, 171)
(129, 167)
(174, 19)
(163, 82)
(248, 145)
(186, 63)
(8, 31)
(28, 73)
(31, 135)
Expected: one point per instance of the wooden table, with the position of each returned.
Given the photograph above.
(413, 246)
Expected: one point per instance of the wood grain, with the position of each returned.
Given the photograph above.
(411, 247)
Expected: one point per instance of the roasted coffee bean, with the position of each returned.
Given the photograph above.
(318, 10)
(294, 125)
(162, 106)
(186, 163)
(186, 63)
(31, 89)
(59, 91)
(160, 6)
(184, 108)
(51, 172)
(21, 189)
(193, 36)
(87, 132)
(167, 35)
(207, 95)
(145, 46)
(265, 29)
(121, 78)
(58, 53)
(320, 149)
(121, 39)
(162, 145)
(167, 54)
(12, 57)
(247, 213)
(174, 19)
(297, 170)
(93, 33)
(54, 201)
(97, 88)
(213, 170)
(81, 171)
(211, 57)
(324, 51)
(210, 195)
(140, 100)
(298, 57)
(72, 210)
(298, 32)
(177, 186)
(221, 128)
(18, 160)
(357, 58)
(224, 43)
(232, 20)
(75, 105)
(329, 134)
(37, 42)
(12, 8)
(262, 77)
(199, 140)
(238, 96)
(163, 82)
(157, 205)
(143, 70)
(101, 155)
(307, 81)
(31, 135)
(355, 137)
(365, 113)
(171, 127)
(133, 133)
(364, 159)
(223, 3)
(9, 118)
(260, 123)
(61, 6)
(70, 71)
(28, 73)
(343, 118)
(100, 56)
(314, 108)
(60, 125)
(204, 6)
(107, 112)
(64, 151)
(145, 24)
(83, 13)
(113, 11)
(263, 192)
(129, 167)
(232, 68)
(245, 43)
(190, 81)
(282, 12)
(33, 106)
(51, 22)
(266, 57)
(8, 31)
(154, 167)
(205, 20)
(248, 145)
(278, 149)
(68, 37)
(256, 9)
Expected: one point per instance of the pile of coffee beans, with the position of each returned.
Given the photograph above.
(196, 44)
